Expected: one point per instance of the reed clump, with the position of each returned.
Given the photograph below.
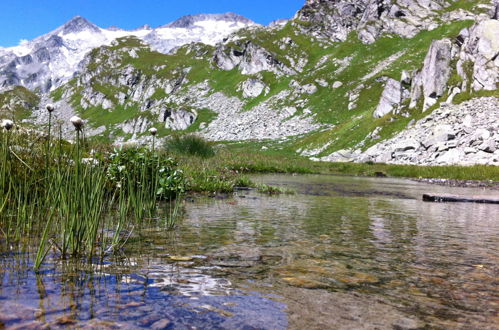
(191, 145)
(68, 197)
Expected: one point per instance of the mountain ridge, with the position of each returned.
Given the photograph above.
(66, 46)
(323, 86)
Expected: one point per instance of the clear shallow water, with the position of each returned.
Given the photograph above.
(342, 253)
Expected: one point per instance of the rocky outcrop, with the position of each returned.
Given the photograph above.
(249, 58)
(431, 82)
(436, 71)
(464, 134)
(331, 20)
(476, 51)
(335, 19)
(480, 47)
(177, 120)
(391, 98)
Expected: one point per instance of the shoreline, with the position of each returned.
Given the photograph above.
(490, 185)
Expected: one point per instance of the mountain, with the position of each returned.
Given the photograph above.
(48, 61)
(192, 21)
(398, 81)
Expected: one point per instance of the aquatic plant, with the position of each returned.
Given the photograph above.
(273, 190)
(70, 205)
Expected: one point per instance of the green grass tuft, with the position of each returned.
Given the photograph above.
(190, 145)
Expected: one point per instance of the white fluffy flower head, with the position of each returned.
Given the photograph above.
(77, 122)
(7, 124)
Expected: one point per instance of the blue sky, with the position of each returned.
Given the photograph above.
(27, 19)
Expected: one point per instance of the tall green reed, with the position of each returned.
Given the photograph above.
(76, 207)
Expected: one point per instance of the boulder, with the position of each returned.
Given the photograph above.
(390, 99)
(322, 82)
(337, 84)
(406, 145)
(436, 71)
(443, 133)
(406, 77)
(177, 120)
(482, 48)
(453, 156)
(309, 89)
(488, 146)
(252, 88)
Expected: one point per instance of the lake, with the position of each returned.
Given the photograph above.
(341, 253)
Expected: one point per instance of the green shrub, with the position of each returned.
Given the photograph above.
(190, 145)
(141, 169)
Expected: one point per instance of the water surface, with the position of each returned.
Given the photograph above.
(341, 253)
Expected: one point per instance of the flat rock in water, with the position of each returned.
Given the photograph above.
(462, 199)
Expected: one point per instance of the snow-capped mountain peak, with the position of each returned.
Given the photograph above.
(191, 21)
(48, 61)
(78, 24)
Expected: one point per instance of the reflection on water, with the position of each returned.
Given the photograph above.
(272, 262)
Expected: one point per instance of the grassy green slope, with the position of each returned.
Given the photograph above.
(331, 105)
(17, 103)
(288, 46)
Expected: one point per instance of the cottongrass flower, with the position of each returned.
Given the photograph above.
(153, 132)
(7, 124)
(77, 122)
(50, 108)
(90, 161)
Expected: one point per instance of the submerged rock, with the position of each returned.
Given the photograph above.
(236, 256)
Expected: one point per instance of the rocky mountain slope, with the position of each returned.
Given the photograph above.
(52, 59)
(336, 82)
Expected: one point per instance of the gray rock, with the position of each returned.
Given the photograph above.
(455, 91)
(443, 133)
(436, 71)
(322, 82)
(390, 99)
(333, 20)
(450, 157)
(406, 77)
(457, 134)
(250, 59)
(482, 48)
(178, 120)
(337, 84)
(309, 89)
(406, 145)
(488, 146)
(252, 88)
(482, 134)
(469, 150)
